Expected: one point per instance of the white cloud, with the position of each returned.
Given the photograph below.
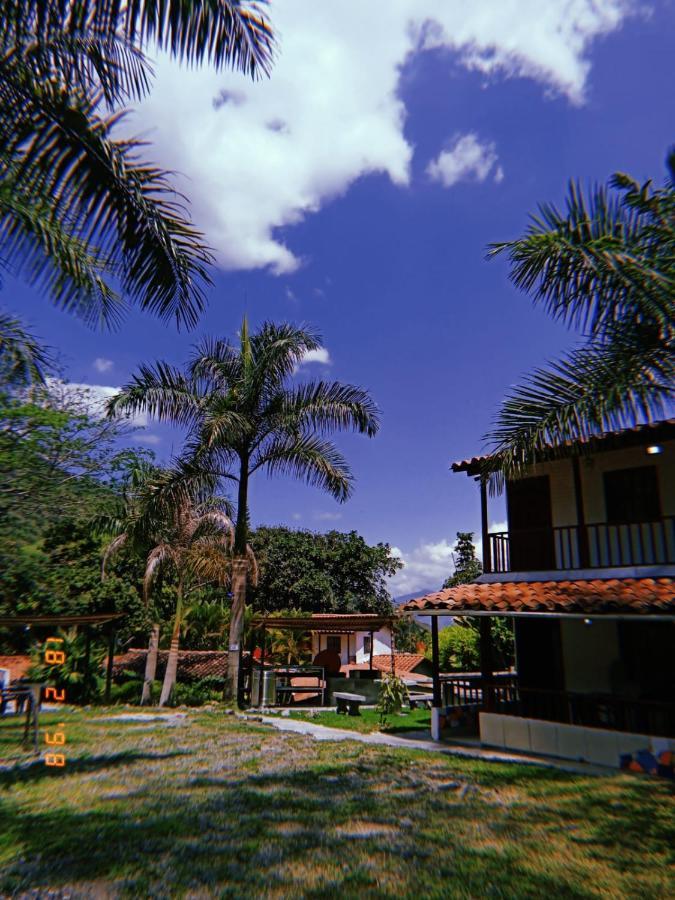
(101, 364)
(260, 156)
(467, 159)
(93, 397)
(328, 516)
(320, 355)
(427, 566)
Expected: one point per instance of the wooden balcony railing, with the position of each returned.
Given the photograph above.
(595, 546)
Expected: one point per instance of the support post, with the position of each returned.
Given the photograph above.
(486, 662)
(262, 665)
(87, 663)
(435, 663)
(109, 669)
(582, 532)
(372, 641)
(392, 651)
(485, 534)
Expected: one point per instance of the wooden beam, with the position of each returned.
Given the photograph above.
(435, 663)
(582, 531)
(372, 641)
(486, 661)
(485, 534)
(109, 670)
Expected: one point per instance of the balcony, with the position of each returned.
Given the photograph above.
(596, 546)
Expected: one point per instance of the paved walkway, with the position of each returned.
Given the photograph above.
(324, 733)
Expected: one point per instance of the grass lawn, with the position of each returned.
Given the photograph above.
(211, 806)
(369, 720)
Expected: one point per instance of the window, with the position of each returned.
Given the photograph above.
(632, 495)
(367, 644)
(334, 642)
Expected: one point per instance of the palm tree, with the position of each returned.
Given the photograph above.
(192, 538)
(244, 416)
(79, 210)
(608, 265)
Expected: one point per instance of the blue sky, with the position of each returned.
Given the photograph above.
(357, 190)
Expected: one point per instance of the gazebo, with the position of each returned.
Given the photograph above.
(319, 624)
(86, 621)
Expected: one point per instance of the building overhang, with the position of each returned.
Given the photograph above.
(624, 598)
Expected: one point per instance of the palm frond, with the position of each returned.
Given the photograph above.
(601, 261)
(101, 193)
(23, 359)
(161, 391)
(220, 32)
(330, 406)
(599, 387)
(157, 558)
(113, 547)
(309, 458)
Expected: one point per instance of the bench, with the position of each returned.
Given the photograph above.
(349, 703)
(426, 700)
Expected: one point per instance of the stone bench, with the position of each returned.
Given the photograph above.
(349, 703)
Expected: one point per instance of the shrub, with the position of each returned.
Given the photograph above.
(458, 649)
(392, 696)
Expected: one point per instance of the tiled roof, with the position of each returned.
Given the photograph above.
(192, 664)
(614, 595)
(17, 665)
(662, 429)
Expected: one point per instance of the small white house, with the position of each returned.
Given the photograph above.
(353, 647)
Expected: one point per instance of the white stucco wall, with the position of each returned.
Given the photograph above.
(352, 644)
(563, 507)
(588, 654)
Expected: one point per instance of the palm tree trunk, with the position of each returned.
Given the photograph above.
(239, 572)
(150, 664)
(172, 661)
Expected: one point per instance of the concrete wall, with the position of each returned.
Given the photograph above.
(588, 653)
(593, 745)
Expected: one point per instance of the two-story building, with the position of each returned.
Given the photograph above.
(585, 571)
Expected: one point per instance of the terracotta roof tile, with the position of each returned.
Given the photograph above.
(192, 664)
(404, 663)
(18, 665)
(613, 595)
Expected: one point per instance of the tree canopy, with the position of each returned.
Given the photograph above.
(333, 572)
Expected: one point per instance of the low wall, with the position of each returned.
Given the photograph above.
(577, 742)
(368, 688)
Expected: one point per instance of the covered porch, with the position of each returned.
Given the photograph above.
(334, 642)
(595, 667)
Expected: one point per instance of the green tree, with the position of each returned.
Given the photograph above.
(192, 538)
(458, 648)
(467, 565)
(333, 572)
(23, 358)
(79, 210)
(244, 416)
(409, 637)
(607, 265)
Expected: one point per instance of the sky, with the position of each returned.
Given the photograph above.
(357, 189)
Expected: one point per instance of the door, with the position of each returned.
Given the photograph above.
(530, 525)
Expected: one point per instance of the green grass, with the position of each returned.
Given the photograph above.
(214, 807)
(369, 720)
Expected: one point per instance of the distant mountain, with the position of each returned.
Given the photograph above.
(405, 597)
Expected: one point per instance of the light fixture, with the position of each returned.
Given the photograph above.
(654, 449)
(588, 621)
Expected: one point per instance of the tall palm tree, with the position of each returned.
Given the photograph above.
(192, 538)
(79, 210)
(244, 416)
(607, 265)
